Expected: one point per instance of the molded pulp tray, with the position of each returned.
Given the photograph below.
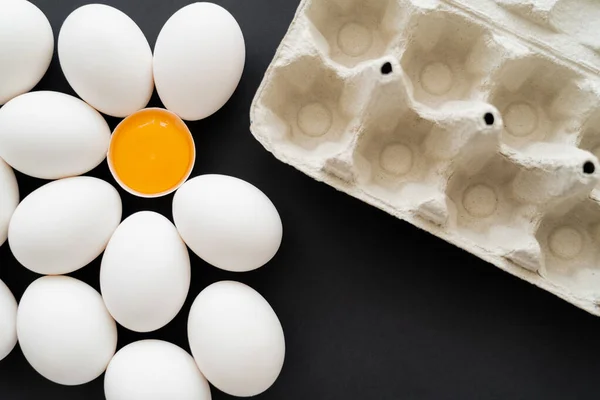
(475, 120)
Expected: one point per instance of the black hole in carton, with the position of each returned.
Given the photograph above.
(589, 167)
(386, 68)
(489, 118)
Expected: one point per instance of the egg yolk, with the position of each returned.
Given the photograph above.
(152, 151)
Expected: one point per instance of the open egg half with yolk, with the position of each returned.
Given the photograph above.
(151, 153)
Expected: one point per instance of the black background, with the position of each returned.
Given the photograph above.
(372, 307)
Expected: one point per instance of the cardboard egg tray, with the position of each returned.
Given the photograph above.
(475, 120)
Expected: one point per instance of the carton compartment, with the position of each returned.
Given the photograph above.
(444, 57)
(482, 199)
(490, 214)
(571, 247)
(352, 31)
(306, 106)
(386, 158)
(537, 100)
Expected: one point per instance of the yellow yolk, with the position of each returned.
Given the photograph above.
(151, 151)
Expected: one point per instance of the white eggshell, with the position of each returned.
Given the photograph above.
(154, 370)
(198, 60)
(106, 59)
(26, 47)
(8, 321)
(145, 272)
(9, 198)
(65, 331)
(51, 135)
(236, 339)
(64, 225)
(227, 222)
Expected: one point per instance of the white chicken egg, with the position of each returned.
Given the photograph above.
(65, 331)
(26, 47)
(236, 339)
(64, 225)
(199, 58)
(51, 135)
(106, 59)
(154, 370)
(9, 198)
(145, 272)
(8, 321)
(227, 222)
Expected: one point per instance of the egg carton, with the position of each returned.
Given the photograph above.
(475, 120)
